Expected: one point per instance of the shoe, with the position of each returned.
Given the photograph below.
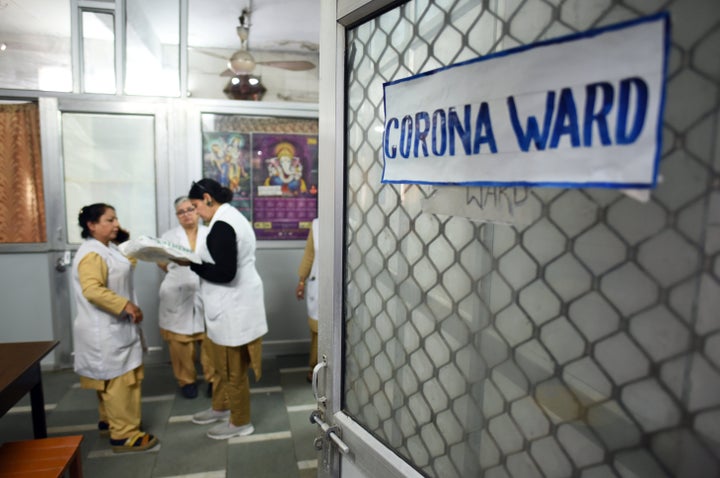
(141, 441)
(228, 430)
(104, 428)
(189, 391)
(210, 416)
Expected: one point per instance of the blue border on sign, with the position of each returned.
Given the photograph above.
(661, 16)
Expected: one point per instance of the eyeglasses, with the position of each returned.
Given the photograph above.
(180, 212)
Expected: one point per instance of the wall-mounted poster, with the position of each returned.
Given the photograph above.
(285, 184)
(226, 159)
(271, 165)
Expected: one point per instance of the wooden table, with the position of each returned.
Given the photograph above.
(20, 374)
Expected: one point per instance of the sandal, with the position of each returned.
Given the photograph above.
(138, 442)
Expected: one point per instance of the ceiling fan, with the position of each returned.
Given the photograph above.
(243, 63)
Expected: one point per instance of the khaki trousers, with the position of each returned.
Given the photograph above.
(231, 390)
(183, 350)
(119, 402)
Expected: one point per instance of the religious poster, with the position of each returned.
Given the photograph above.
(285, 184)
(226, 159)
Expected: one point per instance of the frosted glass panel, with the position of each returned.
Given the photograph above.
(152, 48)
(110, 159)
(40, 59)
(98, 40)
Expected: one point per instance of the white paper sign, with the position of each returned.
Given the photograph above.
(578, 111)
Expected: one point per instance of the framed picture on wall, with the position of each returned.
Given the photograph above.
(284, 184)
(226, 159)
(271, 165)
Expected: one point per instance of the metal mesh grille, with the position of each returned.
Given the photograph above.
(584, 343)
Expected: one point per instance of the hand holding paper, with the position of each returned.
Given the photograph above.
(152, 249)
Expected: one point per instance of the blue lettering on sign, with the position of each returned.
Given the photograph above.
(438, 131)
(444, 131)
(641, 97)
(450, 132)
(390, 152)
(482, 122)
(567, 122)
(463, 132)
(406, 131)
(532, 133)
(599, 117)
(422, 127)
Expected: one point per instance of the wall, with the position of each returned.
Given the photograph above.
(25, 299)
(27, 310)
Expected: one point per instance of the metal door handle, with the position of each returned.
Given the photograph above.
(315, 377)
(62, 262)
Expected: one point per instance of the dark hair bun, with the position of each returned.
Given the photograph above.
(225, 195)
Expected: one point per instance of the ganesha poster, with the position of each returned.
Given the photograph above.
(226, 159)
(285, 184)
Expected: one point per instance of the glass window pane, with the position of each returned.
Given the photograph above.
(98, 35)
(110, 159)
(208, 55)
(153, 48)
(35, 46)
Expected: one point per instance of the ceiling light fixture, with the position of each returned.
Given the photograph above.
(245, 87)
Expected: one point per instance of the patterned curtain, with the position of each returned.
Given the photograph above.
(22, 204)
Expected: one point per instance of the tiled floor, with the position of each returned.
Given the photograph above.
(282, 445)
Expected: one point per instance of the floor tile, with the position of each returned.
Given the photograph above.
(282, 445)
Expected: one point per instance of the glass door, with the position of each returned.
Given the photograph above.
(111, 152)
(574, 342)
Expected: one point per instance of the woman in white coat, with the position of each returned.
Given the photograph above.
(180, 312)
(232, 293)
(307, 288)
(106, 334)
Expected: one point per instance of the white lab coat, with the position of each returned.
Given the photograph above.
(311, 283)
(234, 311)
(180, 309)
(106, 345)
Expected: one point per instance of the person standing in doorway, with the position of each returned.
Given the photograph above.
(181, 320)
(232, 294)
(106, 331)
(307, 289)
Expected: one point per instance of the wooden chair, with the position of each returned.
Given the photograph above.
(42, 458)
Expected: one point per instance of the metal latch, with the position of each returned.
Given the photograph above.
(331, 433)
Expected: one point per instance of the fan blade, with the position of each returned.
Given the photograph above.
(209, 53)
(227, 72)
(289, 65)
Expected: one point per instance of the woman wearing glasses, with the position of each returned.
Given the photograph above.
(180, 311)
(232, 295)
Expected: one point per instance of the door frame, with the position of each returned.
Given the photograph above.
(51, 110)
(367, 455)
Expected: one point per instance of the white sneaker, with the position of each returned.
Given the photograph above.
(228, 430)
(210, 416)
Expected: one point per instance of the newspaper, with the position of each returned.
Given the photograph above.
(152, 249)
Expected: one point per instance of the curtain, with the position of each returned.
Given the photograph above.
(22, 205)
